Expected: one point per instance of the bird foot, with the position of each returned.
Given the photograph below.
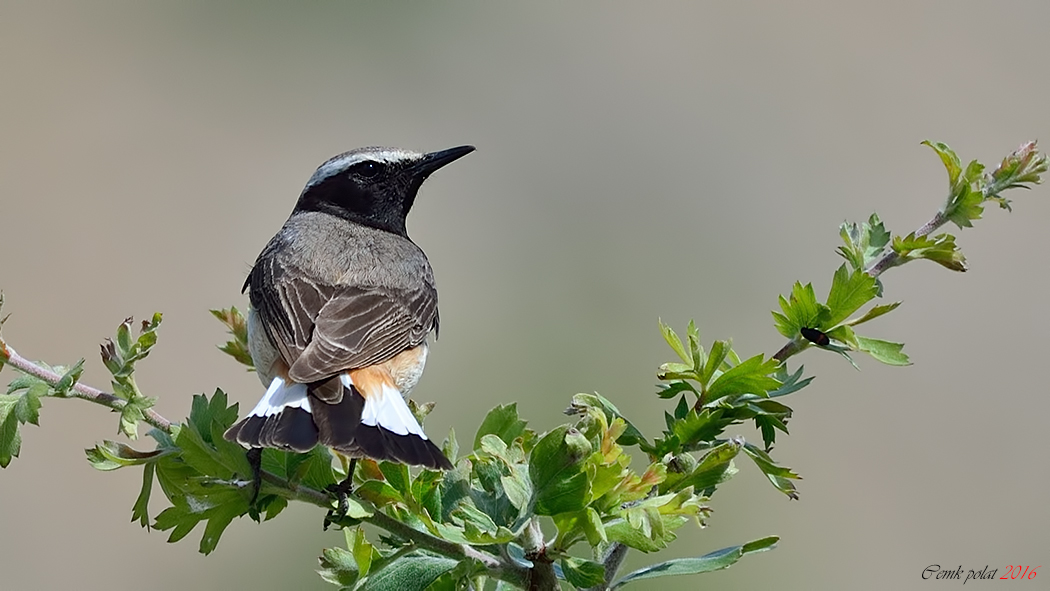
(341, 491)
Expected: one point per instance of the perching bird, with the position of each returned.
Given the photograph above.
(342, 305)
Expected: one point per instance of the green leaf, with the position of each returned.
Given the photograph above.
(503, 422)
(949, 158)
(884, 351)
(364, 552)
(338, 566)
(714, 468)
(965, 207)
(124, 337)
(517, 486)
(196, 476)
(358, 510)
(843, 334)
(940, 249)
(556, 466)
(969, 189)
(863, 243)
(10, 439)
(780, 476)
(789, 383)
(621, 531)
(398, 476)
(973, 172)
(200, 456)
(675, 343)
(675, 388)
(649, 524)
(849, 291)
(1020, 169)
(581, 402)
(593, 528)
(409, 573)
(751, 376)
(700, 427)
(874, 313)
(140, 511)
(205, 412)
(582, 573)
(132, 412)
(421, 410)
(120, 357)
(217, 508)
(315, 471)
(219, 519)
(878, 235)
(203, 446)
(274, 507)
(716, 560)
(110, 455)
(68, 380)
(466, 512)
(945, 253)
(237, 326)
(378, 493)
(801, 309)
(450, 447)
(695, 350)
(719, 351)
(27, 408)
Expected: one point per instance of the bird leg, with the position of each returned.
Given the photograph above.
(341, 491)
(255, 461)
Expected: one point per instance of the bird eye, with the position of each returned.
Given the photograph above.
(368, 169)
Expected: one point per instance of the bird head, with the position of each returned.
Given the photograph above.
(373, 186)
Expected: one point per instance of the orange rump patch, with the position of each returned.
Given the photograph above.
(369, 380)
(394, 372)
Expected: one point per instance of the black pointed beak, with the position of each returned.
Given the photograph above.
(435, 160)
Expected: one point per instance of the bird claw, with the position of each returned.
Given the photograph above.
(254, 456)
(341, 491)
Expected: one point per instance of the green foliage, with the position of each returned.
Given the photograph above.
(237, 326)
(503, 422)
(481, 524)
(725, 391)
(970, 188)
(864, 242)
(850, 291)
(940, 249)
(965, 187)
(205, 477)
(120, 357)
(581, 573)
(194, 467)
(21, 404)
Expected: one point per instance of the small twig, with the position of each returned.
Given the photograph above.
(612, 559)
(791, 348)
(541, 576)
(79, 390)
(892, 259)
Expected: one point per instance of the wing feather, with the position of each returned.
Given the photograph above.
(322, 330)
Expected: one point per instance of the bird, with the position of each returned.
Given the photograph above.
(342, 306)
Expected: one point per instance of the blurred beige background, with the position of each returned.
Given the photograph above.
(634, 161)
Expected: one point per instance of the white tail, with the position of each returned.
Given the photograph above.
(388, 410)
(280, 396)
